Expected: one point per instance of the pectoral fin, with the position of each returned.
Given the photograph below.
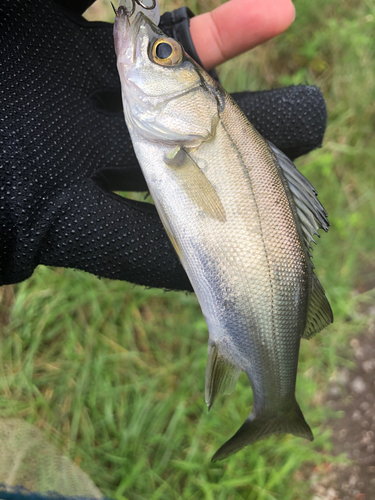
(195, 184)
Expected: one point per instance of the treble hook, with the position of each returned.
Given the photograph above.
(130, 12)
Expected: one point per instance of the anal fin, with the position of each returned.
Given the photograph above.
(221, 375)
(320, 313)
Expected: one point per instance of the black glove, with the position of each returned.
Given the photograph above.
(64, 146)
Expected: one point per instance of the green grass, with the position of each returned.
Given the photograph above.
(115, 374)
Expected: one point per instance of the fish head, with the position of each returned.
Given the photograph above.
(166, 96)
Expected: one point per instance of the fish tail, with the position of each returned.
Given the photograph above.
(257, 427)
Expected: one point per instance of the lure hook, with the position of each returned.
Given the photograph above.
(124, 10)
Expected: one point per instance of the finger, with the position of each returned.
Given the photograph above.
(237, 26)
(111, 237)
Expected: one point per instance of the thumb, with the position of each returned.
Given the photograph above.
(238, 26)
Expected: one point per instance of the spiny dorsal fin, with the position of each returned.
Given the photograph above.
(311, 213)
(195, 184)
(320, 313)
(221, 375)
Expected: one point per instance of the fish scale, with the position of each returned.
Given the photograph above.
(241, 218)
(265, 247)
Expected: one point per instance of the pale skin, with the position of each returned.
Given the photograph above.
(238, 26)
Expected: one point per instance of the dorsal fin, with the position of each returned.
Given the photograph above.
(320, 313)
(311, 213)
(312, 217)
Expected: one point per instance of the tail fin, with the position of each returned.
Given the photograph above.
(258, 427)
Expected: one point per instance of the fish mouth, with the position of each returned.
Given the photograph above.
(125, 34)
(149, 7)
(122, 12)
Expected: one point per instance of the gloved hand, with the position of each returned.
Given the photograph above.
(65, 147)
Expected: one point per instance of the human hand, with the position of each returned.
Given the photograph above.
(238, 26)
(65, 147)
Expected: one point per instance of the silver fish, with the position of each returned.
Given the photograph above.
(241, 218)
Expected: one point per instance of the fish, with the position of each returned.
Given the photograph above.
(240, 217)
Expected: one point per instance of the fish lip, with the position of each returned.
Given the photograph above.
(125, 34)
(122, 17)
(121, 12)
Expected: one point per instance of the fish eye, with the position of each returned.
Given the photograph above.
(166, 52)
(163, 50)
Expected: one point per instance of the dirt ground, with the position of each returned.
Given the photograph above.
(352, 392)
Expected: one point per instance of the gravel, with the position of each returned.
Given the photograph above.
(352, 392)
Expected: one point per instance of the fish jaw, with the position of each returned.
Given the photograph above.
(122, 39)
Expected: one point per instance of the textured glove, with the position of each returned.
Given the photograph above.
(64, 146)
